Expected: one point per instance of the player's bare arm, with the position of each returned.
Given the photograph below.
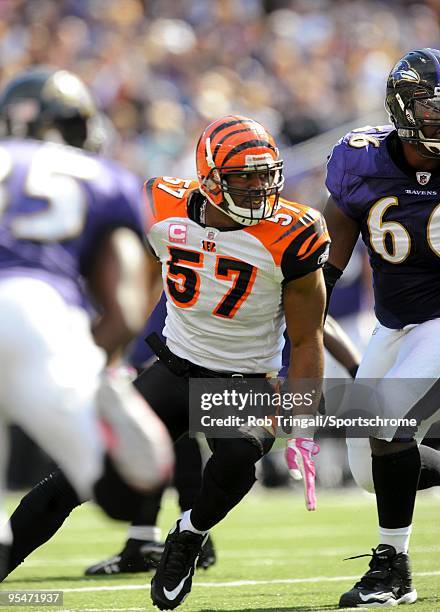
(339, 345)
(120, 283)
(154, 282)
(347, 231)
(304, 303)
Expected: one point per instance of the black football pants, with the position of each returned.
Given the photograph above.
(229, 473)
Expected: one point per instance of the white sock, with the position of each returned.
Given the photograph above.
(399, 538)
(186, 525)
(147, 533)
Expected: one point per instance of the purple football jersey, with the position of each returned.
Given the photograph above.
(399, 216)
(56, 203)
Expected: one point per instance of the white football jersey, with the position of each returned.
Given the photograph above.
(224, 287)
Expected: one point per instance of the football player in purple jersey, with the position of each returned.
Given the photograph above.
(384, 184)
(73, 292)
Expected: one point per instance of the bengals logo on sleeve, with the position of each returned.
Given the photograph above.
(312, 237)
(308, 249)
(297, 238)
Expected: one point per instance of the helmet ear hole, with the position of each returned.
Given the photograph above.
(73, 130)
(212, 185)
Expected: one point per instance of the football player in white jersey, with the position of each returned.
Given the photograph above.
(238, 263)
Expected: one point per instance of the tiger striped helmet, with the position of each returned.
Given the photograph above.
(239, 169)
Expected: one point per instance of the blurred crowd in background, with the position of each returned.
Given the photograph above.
(162, 69)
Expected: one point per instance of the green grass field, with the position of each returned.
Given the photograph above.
(273, 556)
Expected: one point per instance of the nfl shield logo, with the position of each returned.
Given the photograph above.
(423, 177)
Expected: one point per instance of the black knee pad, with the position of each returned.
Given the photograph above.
(239, 450)
(259, 438)
(232, 465)
(114, 496)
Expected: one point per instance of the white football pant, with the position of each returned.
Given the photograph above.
(409, 353)
(50, 371)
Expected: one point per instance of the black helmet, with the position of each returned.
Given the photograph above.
(48, 104)
(413, 98)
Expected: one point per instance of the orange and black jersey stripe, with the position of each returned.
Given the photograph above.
(296, 236)
(301, 245)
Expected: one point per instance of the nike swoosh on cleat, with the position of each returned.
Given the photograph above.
(380, 596)
(176, 592)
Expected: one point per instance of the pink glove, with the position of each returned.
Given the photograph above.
(299, 459)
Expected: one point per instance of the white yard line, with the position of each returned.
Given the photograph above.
(249, 555)
(236, 583)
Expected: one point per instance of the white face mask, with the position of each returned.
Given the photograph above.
(238, 214)
(241, 215)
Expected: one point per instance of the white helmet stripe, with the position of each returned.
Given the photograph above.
(209, 158)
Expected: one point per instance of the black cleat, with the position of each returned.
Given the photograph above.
(140, 556)
(386, 584)
(172, 581)
(207, 555)
(136, 556)
(4, 561)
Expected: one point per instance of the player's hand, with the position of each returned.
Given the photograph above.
(299, 459)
